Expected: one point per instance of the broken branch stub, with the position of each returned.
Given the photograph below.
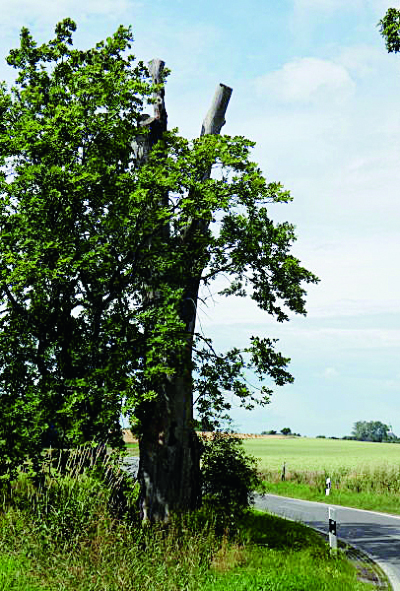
(215, 118)
(155, 125)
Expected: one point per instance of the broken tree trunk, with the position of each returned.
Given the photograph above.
(154, 125)
(169, 471)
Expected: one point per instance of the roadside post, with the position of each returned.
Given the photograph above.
(332, 529)
(328, 486)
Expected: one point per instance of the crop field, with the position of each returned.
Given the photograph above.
(302, 454)
(320, 455)
(364, 475)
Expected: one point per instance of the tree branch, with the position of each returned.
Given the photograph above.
(215, 118)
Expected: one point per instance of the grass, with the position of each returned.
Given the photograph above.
(15, 575)
(73, 534)
(269, 554)
(364, 475)
(280, 555)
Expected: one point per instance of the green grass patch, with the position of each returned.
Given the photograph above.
(16, 575)
(279, 555)
(270, 570)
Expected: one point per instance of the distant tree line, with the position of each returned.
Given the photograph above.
(372, 431)
(369, 431)
(362, 431)
(283, 431)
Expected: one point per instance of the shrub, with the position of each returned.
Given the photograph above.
(229, 475)
(286, 431)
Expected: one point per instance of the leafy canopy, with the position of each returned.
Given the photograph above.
(371, 431)
(389, 27)
(87, 235)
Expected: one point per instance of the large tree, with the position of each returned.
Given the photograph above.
(371, 431)
(110, 227)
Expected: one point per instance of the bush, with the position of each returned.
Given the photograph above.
(286, 431)
(229, 475)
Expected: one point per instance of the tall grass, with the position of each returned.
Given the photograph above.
(374, 488)
(71, 531)
(376, 479)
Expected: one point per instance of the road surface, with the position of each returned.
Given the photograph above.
(376, 534)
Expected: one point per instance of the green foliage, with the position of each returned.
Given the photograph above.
(389, 27)
(286, 431)
(229, 475)
(370, 431)
(101, 258)
(66, 333)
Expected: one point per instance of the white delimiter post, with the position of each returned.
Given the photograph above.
(332, 529)
(328, 486)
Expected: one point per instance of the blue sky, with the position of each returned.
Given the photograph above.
(314, 87)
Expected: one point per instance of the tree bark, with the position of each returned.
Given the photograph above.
(169, 470)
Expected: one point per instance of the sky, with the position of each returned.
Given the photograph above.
(316, 90)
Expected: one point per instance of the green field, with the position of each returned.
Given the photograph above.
(364, 475)
(319, 455)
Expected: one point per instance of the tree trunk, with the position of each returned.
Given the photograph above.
(169, 470)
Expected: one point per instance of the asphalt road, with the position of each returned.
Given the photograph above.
(131, 465)
(376, 534)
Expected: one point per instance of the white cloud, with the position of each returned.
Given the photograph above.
(330, 372)
(362, 60)
(47, 12)
(308, 80)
